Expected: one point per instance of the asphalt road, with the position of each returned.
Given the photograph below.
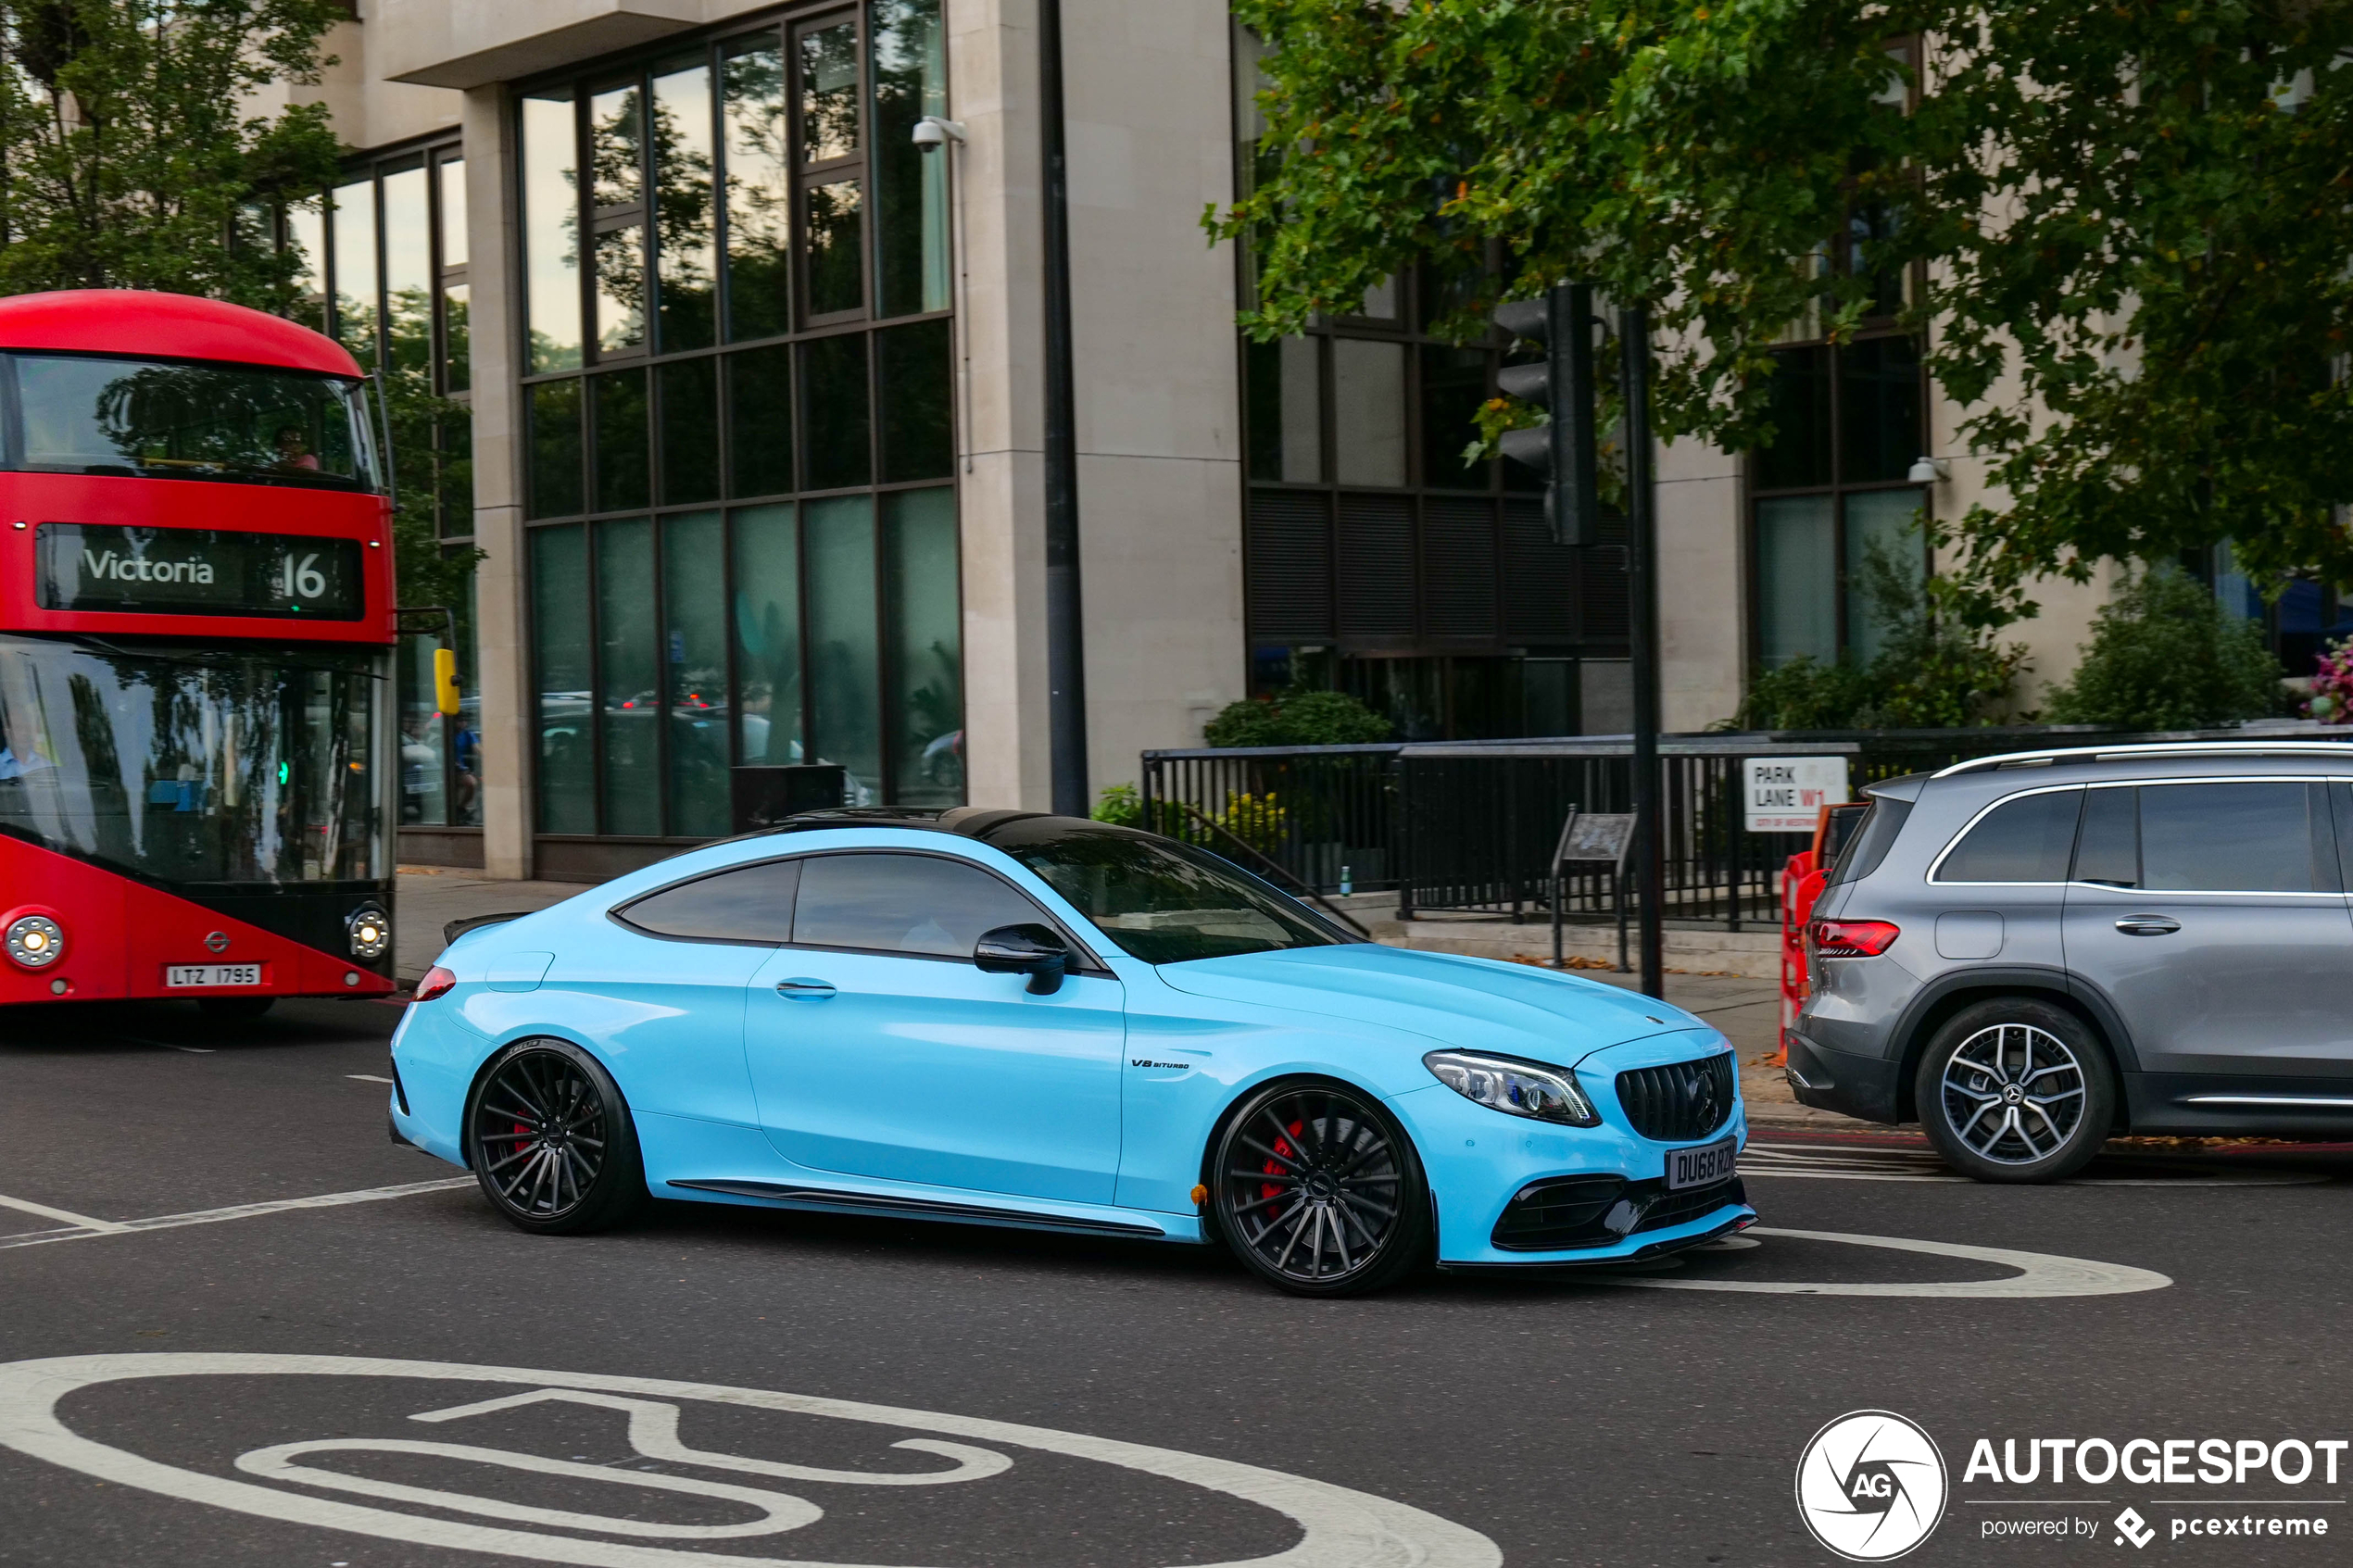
(699, 1388)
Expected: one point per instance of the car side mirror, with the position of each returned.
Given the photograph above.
(1034, 951)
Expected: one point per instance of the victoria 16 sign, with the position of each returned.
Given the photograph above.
(198, 572)
(1787, 794)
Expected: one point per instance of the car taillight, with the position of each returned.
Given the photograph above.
(1853, 938)
(436, 981)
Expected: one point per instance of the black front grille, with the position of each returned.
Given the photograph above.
(1680, 1101)
(1575, 1212)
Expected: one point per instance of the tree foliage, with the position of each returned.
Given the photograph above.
(131, 156)
(1935, 669)
(1300, 716)
(2131, 219)
(2165, 656)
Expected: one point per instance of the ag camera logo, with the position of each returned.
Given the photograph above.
(1871, 1485)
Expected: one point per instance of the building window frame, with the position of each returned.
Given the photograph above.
(732, 359)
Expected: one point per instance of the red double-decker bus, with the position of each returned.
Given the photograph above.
(197, 773)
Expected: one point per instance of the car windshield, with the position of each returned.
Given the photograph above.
(213, 767)
(1161, 901)
(164, 419)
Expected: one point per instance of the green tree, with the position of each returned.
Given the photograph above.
(1296, 717)
(2164, 655)
(2127, 223)
(1936, 668)
(131, 156)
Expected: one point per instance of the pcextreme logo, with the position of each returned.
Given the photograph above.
(1871, 1485)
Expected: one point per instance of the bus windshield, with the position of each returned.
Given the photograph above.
(170, 420)
(240, 768)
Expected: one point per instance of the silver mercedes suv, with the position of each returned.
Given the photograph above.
(2032, 953)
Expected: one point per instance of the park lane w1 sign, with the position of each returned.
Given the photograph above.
(1787, 794)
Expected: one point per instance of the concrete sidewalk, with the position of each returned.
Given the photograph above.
(1745, 1008)
(424, 898)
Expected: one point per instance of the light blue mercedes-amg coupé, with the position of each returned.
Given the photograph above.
(1006, 1018)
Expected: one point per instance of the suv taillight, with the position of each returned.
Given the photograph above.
(1852, 939)
(435, 982)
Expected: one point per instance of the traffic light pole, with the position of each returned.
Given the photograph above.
(1065, 624)
(1642, 586)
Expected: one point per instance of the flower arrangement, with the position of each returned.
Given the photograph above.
(2333, 684)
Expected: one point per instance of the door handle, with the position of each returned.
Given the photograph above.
(2149, 925)
(804, 990)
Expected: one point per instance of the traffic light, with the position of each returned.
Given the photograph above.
(1562, 449)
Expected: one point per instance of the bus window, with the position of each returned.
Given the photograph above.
(171, 420)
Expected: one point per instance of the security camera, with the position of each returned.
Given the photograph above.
(933, 132)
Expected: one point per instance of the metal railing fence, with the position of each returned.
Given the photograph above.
(1471, 825)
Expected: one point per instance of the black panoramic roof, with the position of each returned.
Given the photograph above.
(967, 821)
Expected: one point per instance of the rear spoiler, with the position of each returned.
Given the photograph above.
(457, 928)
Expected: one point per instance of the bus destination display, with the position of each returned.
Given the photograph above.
(198, 572)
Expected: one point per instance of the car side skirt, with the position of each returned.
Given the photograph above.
(885, 1205)
(2230, 1105)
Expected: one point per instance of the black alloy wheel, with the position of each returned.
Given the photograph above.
(550, 1140)
(2016, 1090)
(1318, 1192)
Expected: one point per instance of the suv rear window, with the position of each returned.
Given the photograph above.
(2026, 839)
(1869, 844)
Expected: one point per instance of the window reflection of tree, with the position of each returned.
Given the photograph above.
(199, 416)
(759, 194)
(616, 163)
(685, 207)
(829, 93)
(107, 825)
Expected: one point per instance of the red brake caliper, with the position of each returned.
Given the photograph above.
(1267, 1191)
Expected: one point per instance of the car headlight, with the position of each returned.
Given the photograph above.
(35, 941)
(1514, 1087)
(370, 932)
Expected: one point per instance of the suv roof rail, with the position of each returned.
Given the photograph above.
(2163, 748)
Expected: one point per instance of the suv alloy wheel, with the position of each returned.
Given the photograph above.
(2015, 1090)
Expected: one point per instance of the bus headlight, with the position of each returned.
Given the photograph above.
(35, 941)
(371, 932)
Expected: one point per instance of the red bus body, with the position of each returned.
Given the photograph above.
(202, 790)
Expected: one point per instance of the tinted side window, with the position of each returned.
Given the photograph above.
(1871, 842)
(903, 903)
(2026, 839)
(2343, 794)
(2235, 837)
(2108, 848)
(749, 904)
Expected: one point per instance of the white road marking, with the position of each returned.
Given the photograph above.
(653, 1432)
(1829, 1162)
(367, 1078)
(79, 1222)
(2040, 1274)
(88, 1228)
(1340, 1528)
(1748, 1170)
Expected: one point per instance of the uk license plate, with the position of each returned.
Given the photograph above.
(188, 974)
(1704, 1166)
